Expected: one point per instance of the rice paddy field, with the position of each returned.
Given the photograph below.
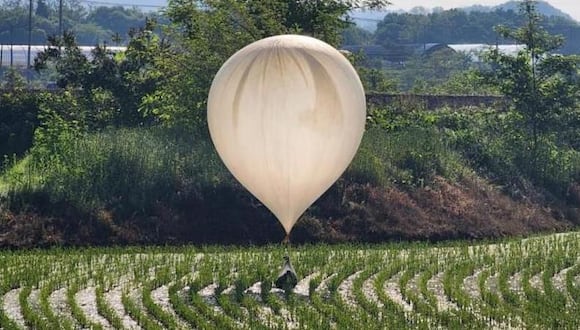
(516, 284)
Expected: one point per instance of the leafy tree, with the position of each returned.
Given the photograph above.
(116, 19)
(208, 32)
(457, 26)
(543, 86)
(354, 35)
(90, 25)
(424, 73)
(18, 120)
(119, 81)
(42, 9)
(13, 80)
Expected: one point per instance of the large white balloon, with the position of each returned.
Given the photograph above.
(286, 115)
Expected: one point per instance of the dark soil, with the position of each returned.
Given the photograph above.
(469, 209)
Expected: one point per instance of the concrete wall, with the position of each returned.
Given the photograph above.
(433, 102)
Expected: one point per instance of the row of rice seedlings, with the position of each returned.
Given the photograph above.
(137, 313)
(191, 316)
(469, 312)
(493, 306)
(509, 268)
(573, 283)
(430, 305)
(422, 267)
(546, 306)
(7, 323)
(408, 293)
(106, 310)
(358, 316)
(392, 312)
(165, 318)
(204, 277)
(181, 293)
(328, 306)
(32, 317)
(365, 303)
(53, 321)
(76, 310)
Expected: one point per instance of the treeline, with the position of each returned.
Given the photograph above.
(457, 26)
(90, 24)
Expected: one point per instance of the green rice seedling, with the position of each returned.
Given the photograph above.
(31, 317)
(52, 321)
(166, 319)
(105, 310)
(361, 299)
(391, 311)
(76, 311)
(191, 316)
(138, 314)
(6, 322)
(230, 308)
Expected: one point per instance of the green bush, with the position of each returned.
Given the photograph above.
(413, 146)
(411, 157)
(126, 170)
(18, 120)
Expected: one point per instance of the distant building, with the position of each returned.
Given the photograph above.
(17, 55)
(476, 50)
(402, 53)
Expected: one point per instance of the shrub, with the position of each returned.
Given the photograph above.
(409, 157)
(127, 170)
(18, 120)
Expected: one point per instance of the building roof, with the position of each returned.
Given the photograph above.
(403, 52)
(475, 50)
(17, 55)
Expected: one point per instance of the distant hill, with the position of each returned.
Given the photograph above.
(367, 19)
(543, 7)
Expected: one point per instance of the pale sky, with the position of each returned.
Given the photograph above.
(570, 7)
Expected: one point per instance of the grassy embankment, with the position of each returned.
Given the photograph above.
(418, 175)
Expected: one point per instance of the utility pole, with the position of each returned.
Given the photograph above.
(11, 46)
(60, 18)
(29, 31)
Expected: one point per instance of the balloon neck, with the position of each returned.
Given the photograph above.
(286, 240)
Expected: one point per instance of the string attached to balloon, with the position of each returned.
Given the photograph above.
(286, 115)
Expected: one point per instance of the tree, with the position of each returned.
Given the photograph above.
(42, 9)
(457, 26)
(122, 79)
(353, 35)
(543, 86)
(208, 32)
(13, 80)
(116, 19)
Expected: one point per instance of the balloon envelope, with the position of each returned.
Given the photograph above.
(286, 115)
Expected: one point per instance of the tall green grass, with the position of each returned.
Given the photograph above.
(130, 171)
(410, 157)
(126, 169)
